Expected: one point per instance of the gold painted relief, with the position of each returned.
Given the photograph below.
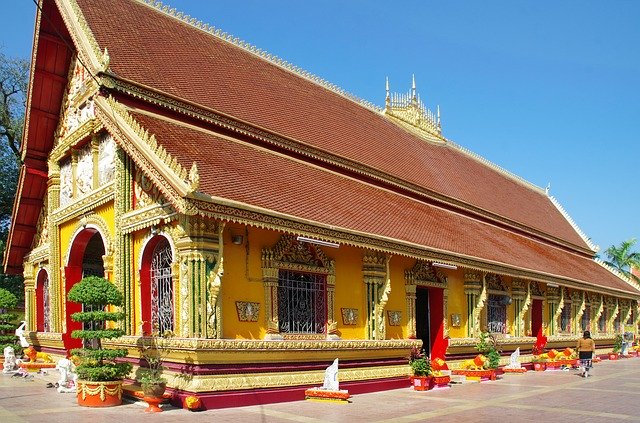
(145, 192)
(247, 311)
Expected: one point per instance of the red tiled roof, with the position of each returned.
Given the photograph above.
(159, 51)
(292, 187)
(47, 86)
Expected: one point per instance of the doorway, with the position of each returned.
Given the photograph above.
(423, 323)
(85, 259)
(536, 317)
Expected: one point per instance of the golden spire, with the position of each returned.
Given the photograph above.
(387, 100)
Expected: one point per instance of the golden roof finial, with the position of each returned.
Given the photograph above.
(414, 98)
(387, 99)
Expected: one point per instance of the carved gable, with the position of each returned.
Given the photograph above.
(42, 227)
(145, 193)
(423, 273)
(495, 283)
(288, 252)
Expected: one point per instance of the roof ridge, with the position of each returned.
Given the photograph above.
(495, 166)
(250, 48)
(615, 271)
(572, 222)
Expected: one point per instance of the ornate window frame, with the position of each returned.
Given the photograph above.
(496, 287)
(290, 254)
(423, 273)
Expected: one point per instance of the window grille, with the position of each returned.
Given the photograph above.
(496, 314)
(586, 319)
(302, 302)
(565, 318)
(616, 323)
(632, 317)
(161, 288)
(602, 322)
(46, 306)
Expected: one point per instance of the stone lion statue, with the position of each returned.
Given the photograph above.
(476, 363)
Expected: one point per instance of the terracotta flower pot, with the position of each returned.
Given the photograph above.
(421, 383)
(613, 356)
(539, 367)
(154, 389)
(153, 396)
(99, 394)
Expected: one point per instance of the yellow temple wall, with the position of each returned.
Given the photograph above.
(242, 280)
(138, 239)
(349, 289)
(398, 297)
(456, 303)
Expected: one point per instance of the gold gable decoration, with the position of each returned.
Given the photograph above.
(495, 283)
(408, 109)
(295, 255)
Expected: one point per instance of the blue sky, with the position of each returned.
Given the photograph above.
(547, 90)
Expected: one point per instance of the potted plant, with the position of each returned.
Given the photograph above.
(539, 364)
(8, 338)
(617, 346)
(421, 366)
(488, 346)
(99, 374)
(153, 352)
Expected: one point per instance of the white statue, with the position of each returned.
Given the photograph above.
(20, 334)
(331, 377)
(68, 377)
(514, 361)
(10, 365)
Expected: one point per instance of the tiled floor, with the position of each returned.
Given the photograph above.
(611, 394)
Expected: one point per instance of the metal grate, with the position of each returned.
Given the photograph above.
(302, 302)
(46, 305)
(602, 322)
(586, 319)
(565, 318)
(496, 314)
(162, 288)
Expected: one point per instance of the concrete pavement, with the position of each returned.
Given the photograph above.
(611, 394)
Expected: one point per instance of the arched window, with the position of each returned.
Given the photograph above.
(161, 287)
(43, 303)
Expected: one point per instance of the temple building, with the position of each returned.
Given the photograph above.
(271, 221)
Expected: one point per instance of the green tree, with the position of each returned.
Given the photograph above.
(14, 76)
(622, 258)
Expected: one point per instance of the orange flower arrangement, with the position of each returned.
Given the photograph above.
(192, 403)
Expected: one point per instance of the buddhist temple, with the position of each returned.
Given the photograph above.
(271, 221)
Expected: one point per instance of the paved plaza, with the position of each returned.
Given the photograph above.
(611, 394)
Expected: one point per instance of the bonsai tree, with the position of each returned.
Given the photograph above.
(488, 346)
(8, 338)
(98, 364)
